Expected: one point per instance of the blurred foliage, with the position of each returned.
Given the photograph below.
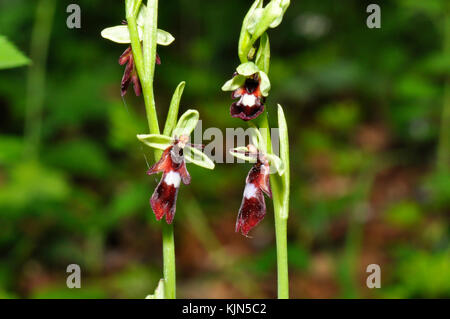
(364, 109)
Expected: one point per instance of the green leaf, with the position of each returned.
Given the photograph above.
(186, 124)
(234, 83)
(172, 115)
(158, 141)
(10, 56)
(197, 157)
(247, 69)
(265, 83)
(263, 55)
(159, 291)
(239, 152)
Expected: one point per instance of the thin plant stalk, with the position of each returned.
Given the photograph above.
(145, 59)
(280, 198)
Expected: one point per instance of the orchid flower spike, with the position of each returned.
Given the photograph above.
(177, 151)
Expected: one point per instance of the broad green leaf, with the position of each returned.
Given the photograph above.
(10, 56)
(186, 124)
(158, 141)
(263, 55)
(239, 152)
(247, 69)
(159, 291)
(172, 115)
(234, 83)
(265, 83)
(197, 157)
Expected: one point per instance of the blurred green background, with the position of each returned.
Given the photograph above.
(365, 111)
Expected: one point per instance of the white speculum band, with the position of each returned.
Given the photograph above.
(250, 190)
(173, 178)
(248, 100)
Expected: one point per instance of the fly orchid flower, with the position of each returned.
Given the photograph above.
(253, 206)
(120, 34)
(177, 151)
(251, 85)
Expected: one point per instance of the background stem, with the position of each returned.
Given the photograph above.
(443, 159)
(40, 39)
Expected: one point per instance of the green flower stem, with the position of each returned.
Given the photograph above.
(145, 59)
(280, 198)
(169, 261)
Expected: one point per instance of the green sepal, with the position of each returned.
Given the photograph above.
(120, 34)
(197, 157)
(158, 141)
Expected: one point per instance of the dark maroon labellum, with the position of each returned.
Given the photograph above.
(164, 198)
(250, 103)
(253, 206)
